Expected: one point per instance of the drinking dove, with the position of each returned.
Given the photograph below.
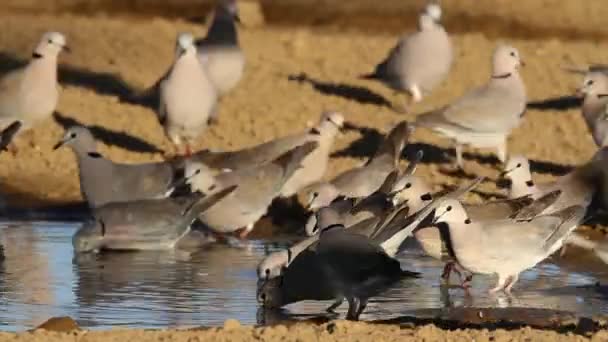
(30, 93)
(103, 181)
(505, 247)
(365, 180)
(219, 52)
(257, 187)
(485, 116)
(187, 96)
(145, 224)
(421, 60)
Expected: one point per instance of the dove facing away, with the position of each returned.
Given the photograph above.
(155, 224)
(365, 180)
(30, 93)
(505, 247)
(103, 181)
(219, 52)
(187, 96)
(343, 264)
(421, 60)
(257, 187)
(485, 116)
(594, 90)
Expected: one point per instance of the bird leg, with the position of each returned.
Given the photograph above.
(501, 152)
(362, 306)
(511, 281)
(243, 234)
(335, 305)
(459, 160)
(447, 270)
(353, 308)
(500, 285)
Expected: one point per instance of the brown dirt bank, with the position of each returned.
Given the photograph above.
(332, 331)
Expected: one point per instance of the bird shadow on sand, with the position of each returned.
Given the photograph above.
(349, 92)
(103, 83)
(371, 138)
(110, 137)
(557, 103)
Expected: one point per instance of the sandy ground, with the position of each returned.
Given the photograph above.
(114, 54)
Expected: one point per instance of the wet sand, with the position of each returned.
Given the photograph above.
(295, 72)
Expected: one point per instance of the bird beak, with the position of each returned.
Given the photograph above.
(579, 92)
(66, 48)
(58, 144)
(522, 63)
(237, 19)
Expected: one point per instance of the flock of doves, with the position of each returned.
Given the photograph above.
(359, 219)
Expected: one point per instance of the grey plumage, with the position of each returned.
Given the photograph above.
(144, 224)
(103, 181)
(594, 89)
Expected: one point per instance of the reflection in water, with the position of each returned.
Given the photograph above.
(42, 278)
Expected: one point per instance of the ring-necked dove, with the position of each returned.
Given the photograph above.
(365, 180)
(257, 188)
(505, 247)
(219, 52)
(103, 181)
(421, 60)
(324, 132)
(577, 187)
(30, 94)
(595, 99)
(144, 224)
(187, 96)
(485, 116)
(344, 265)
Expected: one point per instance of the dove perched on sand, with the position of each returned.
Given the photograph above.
(485, 116)
(103, 181)
(505, 247)
(421, 60)
(594, 90)
(144, 224)
(30, 94)
(187, 96)
(365, 180)
(257, 187)
(219, 52)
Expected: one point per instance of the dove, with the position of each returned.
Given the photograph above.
(187, 96)
(155, 224)
(30, 93)
(324, 132)
(257, 188)
(365, 180)
(577, 187)
(485, 116)
(103, 181)
(505, 247)
(420, 61)
(219, 52)
(343, 264)
(594, 90)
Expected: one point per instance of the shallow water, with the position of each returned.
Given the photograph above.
(41, 278)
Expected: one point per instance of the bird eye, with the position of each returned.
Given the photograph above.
(518, 165)
(50, 41)
(408, 185)
(467, 221)
(73, 135)
(513, 54)
(449, 208)
(267, 271)
(589, 82)
(315, 194)
(198, 171)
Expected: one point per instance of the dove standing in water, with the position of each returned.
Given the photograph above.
(505, 247)
(219, 52)
(30, 94)
(595, 99)
(257, 187)
(145, 224)
(187, 96)
(344, 265)
(365, 180)
(103, 181)
(420, 61)
(484, 117)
